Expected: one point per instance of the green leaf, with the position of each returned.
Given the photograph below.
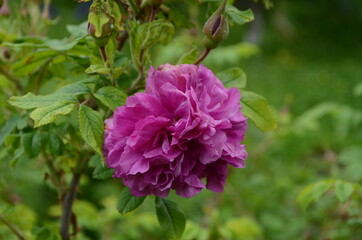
(55, 144)
(78, 30)
(31, 63)
(313, 192)
(144, 36)
(98, 68)
(258, 110)
(30, 100)
(233, 77)
(91, 127)
(343, 190)
(112, 97)
(237, 16)
(8, 127)
(97, 16)
(189, 57)
(170, 217)
(100, 170)
(115, 13)
(45, 115)
(127, 202)
(74, 89)
(31, 143)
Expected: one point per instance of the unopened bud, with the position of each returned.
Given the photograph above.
(216, 27)
(104, 37)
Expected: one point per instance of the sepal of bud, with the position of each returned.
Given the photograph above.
(216, 27)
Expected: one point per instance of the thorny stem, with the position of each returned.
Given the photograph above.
(68, 200)
(13, 228)
(12, 78)
(203, 56)
(102, 50)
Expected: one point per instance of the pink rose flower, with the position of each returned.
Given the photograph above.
(186, 127)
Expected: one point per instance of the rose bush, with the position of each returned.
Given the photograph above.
(186, 126)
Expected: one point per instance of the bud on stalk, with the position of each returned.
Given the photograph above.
(216, 27)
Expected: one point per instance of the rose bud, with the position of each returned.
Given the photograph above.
(216, 28)
(103, 39)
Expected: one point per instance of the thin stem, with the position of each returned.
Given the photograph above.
(67, 204)
(203, 56)
(102, 50)
(12, 78)
(135, 85)
(153, 13)
(13, 228)
(67, 207)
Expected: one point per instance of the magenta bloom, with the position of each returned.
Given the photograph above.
(185, 127)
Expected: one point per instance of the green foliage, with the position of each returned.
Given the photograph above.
(91, 127)
(127, 202)
(239, 17)
(111, 97)
(233, 77)
(257, 109)
(170, 217)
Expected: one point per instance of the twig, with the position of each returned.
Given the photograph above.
(12, 78)
(13, 228)
(67, 207)
(102, 50)
(134, 87)
(67, 204)
(203, 56)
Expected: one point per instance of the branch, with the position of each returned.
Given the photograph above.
(12, 78)
(67, 214)
(203, 56)
(13, 228)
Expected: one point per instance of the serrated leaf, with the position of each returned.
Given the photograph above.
(91, 127)
(110, 96)
(8, 127)
(97, 16)
(74, 89)
(257, 108)
(31, 63)
(30, 100)
(238, 16)
(127, 202)
(100, 170)
(233, 77)
(170, 217)
(45, 115)
(313, 192)
(189, 57)
(343, 190)
(31, 143)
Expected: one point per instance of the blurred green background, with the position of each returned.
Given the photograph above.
(304, 56)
